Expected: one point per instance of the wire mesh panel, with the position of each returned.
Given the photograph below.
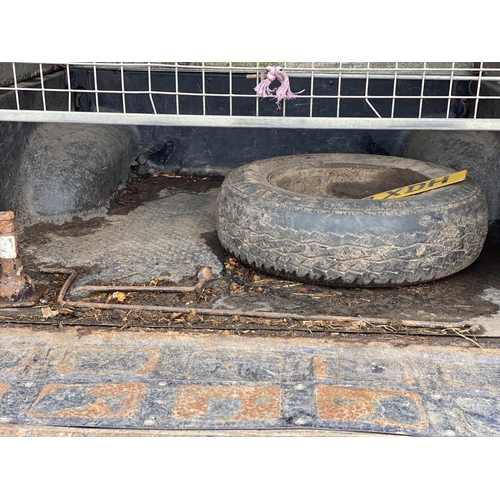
(456, 95)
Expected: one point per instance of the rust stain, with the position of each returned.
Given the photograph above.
(347, 404)
(236, 403)
(3, 389)
(155, 335)
(104, 333)
(107, 334)
(106, 401)
(151, 362)
(320, 367)
(70, 363)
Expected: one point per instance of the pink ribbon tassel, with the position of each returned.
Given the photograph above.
(280, 93)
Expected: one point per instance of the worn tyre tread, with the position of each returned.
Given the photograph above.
(311, 239)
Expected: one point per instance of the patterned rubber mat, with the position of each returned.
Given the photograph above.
(140, 380)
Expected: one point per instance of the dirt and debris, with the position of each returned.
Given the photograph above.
(238, 281)
(454, 299)
(147, 187)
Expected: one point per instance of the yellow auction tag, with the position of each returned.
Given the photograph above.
(420, 187)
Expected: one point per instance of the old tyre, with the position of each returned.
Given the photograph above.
(302, 218)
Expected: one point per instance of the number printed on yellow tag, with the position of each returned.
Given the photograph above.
(420, 187)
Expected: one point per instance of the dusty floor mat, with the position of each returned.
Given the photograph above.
(163, 237)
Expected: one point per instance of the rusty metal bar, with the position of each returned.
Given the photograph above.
(14, 283)
(204, 275)
(237, 312)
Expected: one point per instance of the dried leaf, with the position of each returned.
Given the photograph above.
(234, 288)
(231, 263)
(47, 312)
(359, 324)
(119, 296)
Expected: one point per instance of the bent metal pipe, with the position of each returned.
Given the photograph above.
(204, 275)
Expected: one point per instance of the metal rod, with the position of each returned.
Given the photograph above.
(450, 92)
(239, 329)
(372, 107)
(311, 101)
(122, 78)
(204, 275)
(491, 124)
(422, 88)
(230, 92)
(68, 83)
(176, 90)
(251, 96)
(203, 91)
(238, 312)
(96, 89)
(478, 90)
(14, 74)
(291, 69)
(42, 84)
(150, 90)
(394, 88)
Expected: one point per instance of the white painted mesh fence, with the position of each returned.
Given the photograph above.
(446, 95)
